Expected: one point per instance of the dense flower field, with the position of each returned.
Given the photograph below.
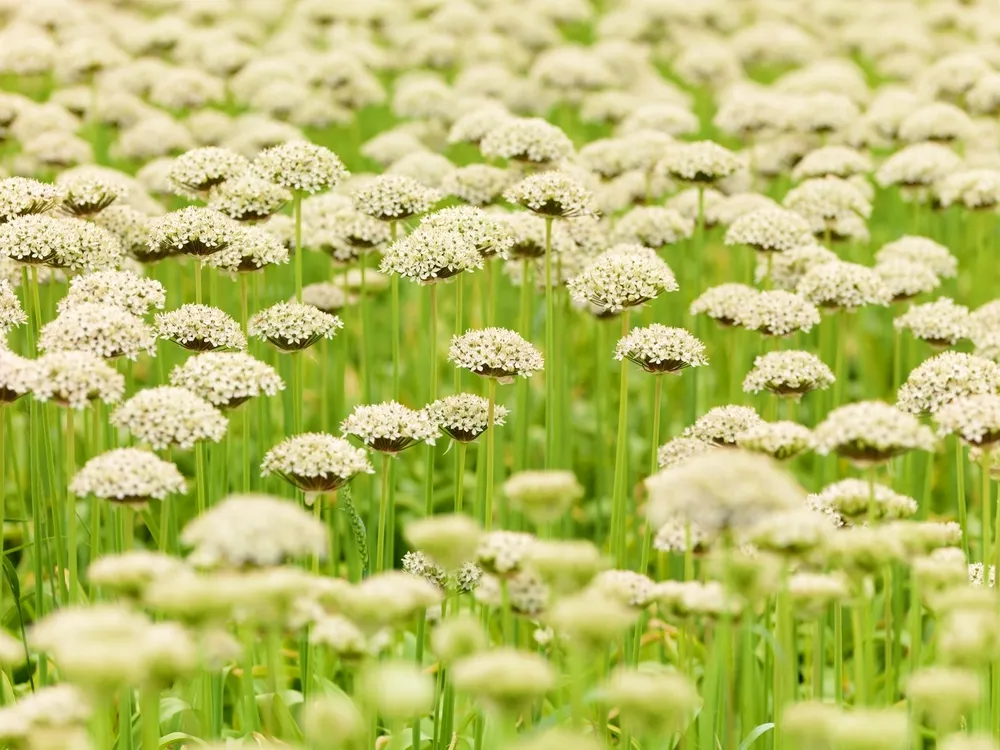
(478, 375)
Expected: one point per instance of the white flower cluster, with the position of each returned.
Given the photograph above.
(430, 254)
(128, 475)
(291, 326)
(824, 201)
(490, 236)
(394, 197)
(735, 206)
(226, 379)
(652, 226)
(248, 197)
(770, 230)
(87, 191)
(529, 236)
(200, 328)
(725, 303)
(721, 424)
(301, 166)
(871, 432)
(106, 330)
(253, 531)
(495, 353)
(854, 501)
(552, 194)
(617, 280)
(939, 323)
(788, 268)
(661, 349)
(529, 139)
(21, 196)
(544, 496)
(919, 165)
(698, 162)
(12, 314)
(250, 249)
(125, 289)
(676, 451)
(168, 416)
(779, 313)
(201, 169)
(128, 226)
(74, 379)
(832, 161)
(789, 373)
(389, 427)
(921, 250)
(464, 416)
(315, 461)
(974, 419)
(503, 552)
(17, 375)
(976, 189)
(192, 231)
(945, 377)
(62, 243)
(327, 296)
(780, 440)
(477, 184)
(839, 285)
(907, 279)
(938, 122)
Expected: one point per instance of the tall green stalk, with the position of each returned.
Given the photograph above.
(394, 291)
(432, 395)
(491, 390)
(551, 374)
(297, 214)
(70, 458)
(618, 508)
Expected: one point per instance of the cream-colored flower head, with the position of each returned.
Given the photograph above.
(488, 234)
(652, 226)
(780, 440)
(778, 313)
(12, 314)
(495, 353)
(190, 231)
(773, 230)
(129, 573)
(789, 373)
(832, 161)
(478, 184)
(907, 279)
(940, 323)
(74, 379)
(86, 191)
(23, 196)
(945, 377)
(526, 139)
(389, 427)
(464, 416)
(617, 280)
(72, 244)
(552, 194)
(699, 162)
(251, 249)
(938, 122)
(721, 424)
(871, 432)
(839, 285)
(17, 374)
(168, 416)
(106, 330)
(726, 303)
(129, 476)
(852, 501)
(394, 197)
(316, 462)
(505, 679)
(529, 236)
(676, 451)
(787, 268)
(201, 169)
(543, 496)
(431, 254)
(200, 328)
(921, 250)
(735, 206)
(226, 379)
(661, 349)
(300, 166)
(248, 197)
(826, 201)
(253, 531)
(292, 326)
(974, 419)
(917, 166)
(124, 289)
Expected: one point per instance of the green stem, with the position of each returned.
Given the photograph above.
(197, 281)
(657, 397)
(200, 477)
(459, 322)
(523, 392)
(70, 457)
(297, 396)
(986, 508)
(459, 474)
(838, 653)
(149, 711)
(383, 515)
(297, 212)
(491, 390)
(551, 374)
(394, 289)
(364, 327)
(618, 508)
(431, 396)
(963, 514)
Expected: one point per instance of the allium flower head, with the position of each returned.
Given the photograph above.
(780, 440)
(477, 184)
(824, 201)
(394, 197)
(190, 231)
(832, 161)
(504, 678)
(128, 226)
(250, 249)
(12, 314)
(721, 424)
(543, 496)
(617, 280)
(529, 236)
(698, 162)
(389, 427)
(201, 169)
(61, 243)
(661, 349)
(253, 531)
(652, 226)
(938, 122)
(495, 353)
(769, 230)
(430, 254)
(129, 476)
(735, 206)
(790, 373)
(291, 326)
(106, 330)
(473, 126)
(449, 539)
(725, 303)
(200, 328)
(920, 250)
(226, 379)
(974, 189)
(129, 573)
(464, 416)
(125, 289)
(907, 279)
(871, 432)
(17, 375)
(21, 196)
(315, 461)
(530, 139)
(490, 236)
(678, 450)
(787, 268)
(502, 553)
(839, 285)
(851, 500)
(720, 491)
(918, 165)
(664, 117)
(974, 419)
(248, 197)
(779, 313)
(940, 323)
(74, 379)
(552, 194)
(327, 296)
(168, 416)
(300, 166)
(945, 377)
(87, 191)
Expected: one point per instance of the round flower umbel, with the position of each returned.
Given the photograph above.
(108, 331)
(553, 195)
(832, 161)
(786, 269)
(529, 236)
(851, 501)
(678, 450)
(125, 289)
(940, 323)
(190, 231)
(477, 184)
(617, 280)
(720, 425)
(727, 304)
(168, 416)
(87, 191)
(12, 314)
(871, 432)
(201, 169)
(543, 496)
(300, 166)
(315, 462)
(769, 230)
(502, 553)
(700, 163)
(661, 349)
(346, 235)
(291, 326)
(128, 226)
(779, 313)
(526, 139)
(790, 374)
(431, 254)
(251, 249)
(945, 377)
(226, 379)
(59, 243)
(248, 198)
(495, 353)
(652, 226)
(780, 440)
(253, 531)
(490, 236)
(74, 379)
(16, 375)
(22, 196)
(200, 328)
(464, 416)
(917, 166)
(390, 427)
(392, 197)
(824, 201)
(921, 250)
(907, 279)
(843, 286)
(128, 476)
(974, 419)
